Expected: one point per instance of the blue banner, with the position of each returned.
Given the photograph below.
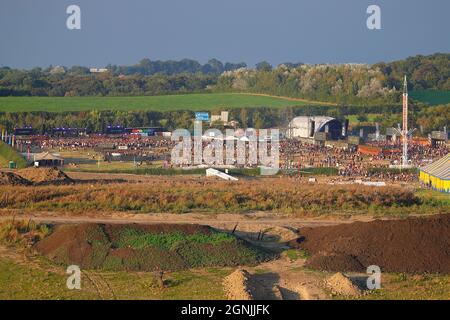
(202, 116)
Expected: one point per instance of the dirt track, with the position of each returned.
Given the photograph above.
(285, 281)
(248, 225)
(268, 229)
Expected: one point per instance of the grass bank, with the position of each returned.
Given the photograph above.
(212, 196)
(8, 154)
(432, 97)
(40, 280)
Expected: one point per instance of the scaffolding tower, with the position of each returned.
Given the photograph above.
(288, 139)
(404, 132)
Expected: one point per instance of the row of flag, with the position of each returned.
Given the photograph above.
(9, 139)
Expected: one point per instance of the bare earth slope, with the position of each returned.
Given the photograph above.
(414, 245)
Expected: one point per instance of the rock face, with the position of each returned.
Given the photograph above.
(237, 285)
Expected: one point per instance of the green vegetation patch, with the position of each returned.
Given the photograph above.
(326, 171)
(410, 287)
(136, 239)
(19, 282)
(376, 170)
(22, 233)
(433, 199)
(433, 97)
(252, 172)
(8, 154)
(193, 102)
(43, 280)
(147, 248)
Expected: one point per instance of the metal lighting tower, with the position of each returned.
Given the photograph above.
(405, 123)
(404, 132)
(288, 136)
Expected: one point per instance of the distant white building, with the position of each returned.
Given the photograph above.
(98, 70)
(223, 117)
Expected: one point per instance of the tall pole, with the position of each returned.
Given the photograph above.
(405, 123)
(289, 156)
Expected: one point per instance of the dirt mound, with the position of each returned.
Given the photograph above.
(333, 262)
(11, 179)
(340, 284)
(237, 285)
(75, 244)
(44, 175)
(414, 245)
(146, 248)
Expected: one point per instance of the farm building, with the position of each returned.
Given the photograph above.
(309, 127)
(437, 174)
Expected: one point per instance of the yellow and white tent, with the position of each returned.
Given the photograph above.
(437, 174)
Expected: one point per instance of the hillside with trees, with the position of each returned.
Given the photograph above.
(424, 72)
(345, 83)
(358, 84)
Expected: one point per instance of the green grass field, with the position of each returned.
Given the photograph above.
(194, 102)
(411, 287)
(433, 97)
(371, 117)
(41, 280)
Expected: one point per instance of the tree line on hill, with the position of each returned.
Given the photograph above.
(147, 67)
(343, 83)
(426, 119)
(39, 83)
(430, 72)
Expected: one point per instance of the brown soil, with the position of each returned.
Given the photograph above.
(280, 279)
(341, 284)
(11, 179)
(69, 244)
(100, 246)
(44, 175)
(123, 253)
(237, 285)
(414, 245)
(286, 280)
(334, 261)
(77, 239)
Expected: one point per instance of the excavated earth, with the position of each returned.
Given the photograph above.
(44, 175)
(413, 245)
(11, 179)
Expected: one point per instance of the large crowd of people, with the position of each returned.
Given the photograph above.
(125, 145)
(349, 161)
(352, 163)
(131, 142)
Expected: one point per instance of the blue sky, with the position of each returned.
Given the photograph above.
(34, 33)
